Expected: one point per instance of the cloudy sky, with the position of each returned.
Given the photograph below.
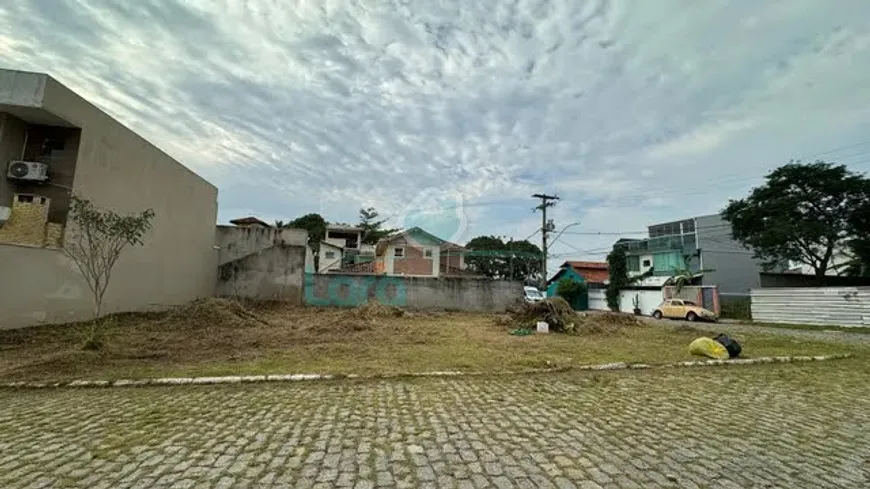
(454, 112)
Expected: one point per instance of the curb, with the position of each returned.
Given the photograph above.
(251, 379)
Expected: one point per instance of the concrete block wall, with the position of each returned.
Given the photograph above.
(422, 293)
(272, 274)
(236, 242)
(261, 263)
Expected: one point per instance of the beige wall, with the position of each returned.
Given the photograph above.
(115, 169)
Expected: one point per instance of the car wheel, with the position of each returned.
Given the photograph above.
(691, 316)
(657, 314)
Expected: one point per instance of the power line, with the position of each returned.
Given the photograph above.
(559, 236)
(856, 145)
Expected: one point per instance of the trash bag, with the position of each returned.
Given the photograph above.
(708, 347)
(732, 346)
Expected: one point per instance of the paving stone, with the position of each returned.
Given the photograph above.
(783, 425)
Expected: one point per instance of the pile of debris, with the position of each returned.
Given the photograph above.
(374, 309)
(212, 312)
(561, 318)
(555, 311)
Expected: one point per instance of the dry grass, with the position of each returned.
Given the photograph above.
(220, 337)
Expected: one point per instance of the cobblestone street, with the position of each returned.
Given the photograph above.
(763, 426)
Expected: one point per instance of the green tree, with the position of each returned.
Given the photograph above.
(316, 227)
(618, 270)
(859, 259)
(803, 212)
(524, 261)
(859, 247)
(485, 256)
(372, 226)
(512, 260)
(94, 243)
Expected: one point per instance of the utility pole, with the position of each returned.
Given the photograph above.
(546, 201)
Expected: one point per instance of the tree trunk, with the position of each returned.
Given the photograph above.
(820, 276)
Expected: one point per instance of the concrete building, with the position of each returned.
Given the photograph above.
(699, 244)
(83, 151)
(331, 258)
(415, 252)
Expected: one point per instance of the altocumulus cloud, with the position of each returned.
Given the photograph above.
(632, 111)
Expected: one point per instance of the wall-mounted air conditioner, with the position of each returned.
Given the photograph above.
(27, 170)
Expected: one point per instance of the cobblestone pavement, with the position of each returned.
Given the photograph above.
(739, 427)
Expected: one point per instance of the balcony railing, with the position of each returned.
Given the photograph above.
(686, 242)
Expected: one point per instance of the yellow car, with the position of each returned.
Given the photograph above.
(680, 309)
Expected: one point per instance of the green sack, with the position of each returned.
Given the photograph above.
(708, 347)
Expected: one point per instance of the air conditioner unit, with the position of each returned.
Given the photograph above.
(27, 170)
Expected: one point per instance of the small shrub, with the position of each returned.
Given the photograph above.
(94, 334)
(571, 290)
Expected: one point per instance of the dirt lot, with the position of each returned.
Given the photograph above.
(218, 337)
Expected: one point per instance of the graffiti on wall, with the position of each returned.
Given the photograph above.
(354, 290)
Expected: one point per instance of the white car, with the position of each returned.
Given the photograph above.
(532, 294)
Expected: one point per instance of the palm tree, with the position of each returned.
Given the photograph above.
(684, 276)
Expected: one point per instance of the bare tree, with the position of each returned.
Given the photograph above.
(96, 240)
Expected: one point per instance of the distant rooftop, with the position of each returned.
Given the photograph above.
(249, 221)
(343, 227)
(593, 265)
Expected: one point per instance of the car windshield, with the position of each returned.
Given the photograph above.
(533, 293)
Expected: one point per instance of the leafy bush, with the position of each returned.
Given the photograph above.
(570, 290)
(738, 308)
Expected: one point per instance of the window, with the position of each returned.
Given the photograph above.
(399, 252)
(676, 303)
(689, 226)
(330, 255)
(633, 263)
(427, 253)
(668, 262)
(50, 144)
(30, 199)
(646, 263)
